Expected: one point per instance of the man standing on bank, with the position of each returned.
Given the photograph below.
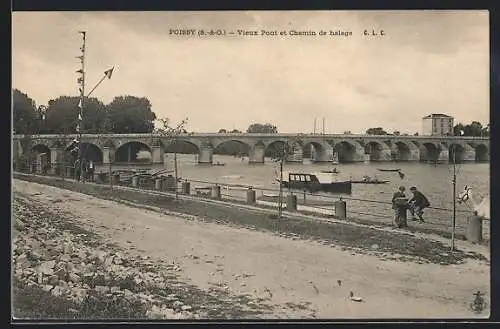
(418, 203)
(399, 204)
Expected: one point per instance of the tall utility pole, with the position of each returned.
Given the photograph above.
(454, 182)
(323, 126)
(81, 83)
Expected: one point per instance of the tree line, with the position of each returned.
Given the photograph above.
(475, 129)
(124, 114)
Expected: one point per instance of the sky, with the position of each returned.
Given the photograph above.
(426, 62)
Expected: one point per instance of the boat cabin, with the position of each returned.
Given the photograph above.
(321, 182)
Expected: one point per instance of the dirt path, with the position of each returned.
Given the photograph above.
(281, 270)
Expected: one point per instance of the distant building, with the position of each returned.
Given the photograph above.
(437, 125)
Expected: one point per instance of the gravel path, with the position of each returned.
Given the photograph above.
(270, 276)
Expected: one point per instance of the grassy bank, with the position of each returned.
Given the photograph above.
(386, 245)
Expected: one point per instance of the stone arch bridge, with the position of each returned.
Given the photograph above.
(349, 148)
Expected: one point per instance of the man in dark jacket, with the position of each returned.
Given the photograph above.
(417, 204)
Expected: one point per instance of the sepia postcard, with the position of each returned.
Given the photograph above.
(216, 165)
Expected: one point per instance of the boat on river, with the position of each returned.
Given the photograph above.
(369, 180)
(391, 170)
(332, 171)
(218, 164)
(315, 182)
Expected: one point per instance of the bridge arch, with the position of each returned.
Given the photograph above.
(429, 151)
(311, 147)
(40, 148)
(457, 151)
(482, 153)
(273, 148)
(378, 151)
(181, 146)
(347, 150)
(232, 147)
(404, 151)
(133, 151)
(91, 151)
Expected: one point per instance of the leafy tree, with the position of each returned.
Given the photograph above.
(236, 131)
(222, 131)
(61, 116)
(458, 128)
(473, 129)
(347, 132)
(396, 133)
(130, 114)
(376, 131)
(258, 128)
(26, 119)
(486, 130)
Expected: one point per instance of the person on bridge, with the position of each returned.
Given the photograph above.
(418, 203)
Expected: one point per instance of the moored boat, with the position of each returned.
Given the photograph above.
(219, 164)
(332, 171)
(319, 182)
(392, 170)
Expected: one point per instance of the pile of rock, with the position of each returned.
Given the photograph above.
(68, 266)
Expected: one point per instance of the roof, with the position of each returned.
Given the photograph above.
(437, 115)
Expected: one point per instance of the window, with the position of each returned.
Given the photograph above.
(308, 178)
(302, 178)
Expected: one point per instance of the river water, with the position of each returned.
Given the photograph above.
(434, 180)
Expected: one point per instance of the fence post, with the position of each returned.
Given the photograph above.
(116, 179)
(158, 184)
(216, 192)
(291, 202)
(186, 187)
(475, 229)
(250, 196)
(135, 181)
(340, 209)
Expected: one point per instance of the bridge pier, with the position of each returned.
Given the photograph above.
(108, 155)
(414, 155)
(384, 155)
(56, 157)
(444, 155)
(206, 154)
(297, 155)
(357, 156)
(483, 157)
(257, 154)
(469, 154)
(157, 154)
(411, 154)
